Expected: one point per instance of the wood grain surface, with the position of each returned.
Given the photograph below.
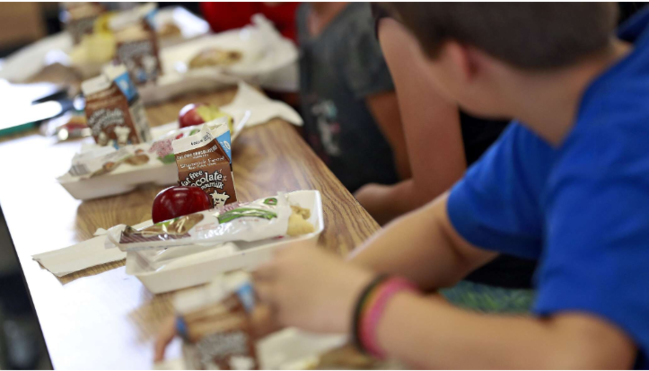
(101, 318)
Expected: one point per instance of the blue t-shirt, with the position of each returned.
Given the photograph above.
(581, 208)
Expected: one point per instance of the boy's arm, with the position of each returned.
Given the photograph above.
(423, 247)
(387, 202)
(436, 335)
(385, 110)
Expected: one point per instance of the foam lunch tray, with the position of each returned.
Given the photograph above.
(202, 267)
(127, 177)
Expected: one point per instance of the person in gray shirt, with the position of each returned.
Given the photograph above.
(347, 95)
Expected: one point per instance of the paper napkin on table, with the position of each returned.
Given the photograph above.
(83, 255)
(260, 106)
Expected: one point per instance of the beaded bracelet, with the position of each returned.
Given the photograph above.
(370, 308)
(358, 310)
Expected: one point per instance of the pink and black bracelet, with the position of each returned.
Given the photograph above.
(369, 309)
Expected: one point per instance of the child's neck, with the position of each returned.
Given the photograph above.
(321, 15)
(551, 101)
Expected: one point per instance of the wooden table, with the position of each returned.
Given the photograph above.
(101, 317)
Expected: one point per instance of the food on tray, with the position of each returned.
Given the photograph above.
(253, 221)
(137, 159)
(169, 30)
(79, 18)
(217, 328)
(96, 48)
(298, 223)
(114, 110)
(200, 113)
(204, 162)
(214, 57)
(103, 160)
(179, 201)
(137, 44)
(303, 212)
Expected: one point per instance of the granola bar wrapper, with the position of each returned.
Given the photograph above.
(205, 162)
(163, 149)
(217, 328)
(261, 219)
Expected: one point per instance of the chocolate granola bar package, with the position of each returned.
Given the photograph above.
(216, 325)
(204, 161)
(114, 110)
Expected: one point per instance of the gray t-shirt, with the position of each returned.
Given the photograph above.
(338, 69)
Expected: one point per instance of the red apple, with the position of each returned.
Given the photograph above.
(188, 116)
(178, 201)
(199, 113)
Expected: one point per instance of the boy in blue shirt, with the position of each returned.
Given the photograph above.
(567, 183)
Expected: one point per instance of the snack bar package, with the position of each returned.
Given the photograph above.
(269, 217)
(163, 149)
(137, 44)
(114, 110)
(205, 162)
(216, 325)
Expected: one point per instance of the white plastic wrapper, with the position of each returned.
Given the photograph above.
(261, 219)
(102, 160)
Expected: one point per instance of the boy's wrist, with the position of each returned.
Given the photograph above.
(369, 309)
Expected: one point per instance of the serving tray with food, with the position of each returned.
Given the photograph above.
(241, 236)
(100, 171)
(252, 54)
(86, 50)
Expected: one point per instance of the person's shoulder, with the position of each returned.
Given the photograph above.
(610, 141)
(356, 22)
(516, 134)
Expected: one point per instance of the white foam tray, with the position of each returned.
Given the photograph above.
(268, 60)
(212, 262)
(124, 179)
(127, 177)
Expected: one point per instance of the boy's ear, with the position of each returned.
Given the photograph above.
(463, 60)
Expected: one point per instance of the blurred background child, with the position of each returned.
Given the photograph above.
(347, 95)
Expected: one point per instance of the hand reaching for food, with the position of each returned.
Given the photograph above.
(311, 289)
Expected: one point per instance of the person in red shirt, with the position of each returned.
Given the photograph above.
(226, 16)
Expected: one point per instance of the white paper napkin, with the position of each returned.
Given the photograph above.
(83, 255)
(261, 107)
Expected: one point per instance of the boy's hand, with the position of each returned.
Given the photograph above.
(311, 289)
(166, 333)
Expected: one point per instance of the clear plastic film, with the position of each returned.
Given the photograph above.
(261, 219)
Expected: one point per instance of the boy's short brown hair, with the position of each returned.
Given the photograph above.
(525, 35)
